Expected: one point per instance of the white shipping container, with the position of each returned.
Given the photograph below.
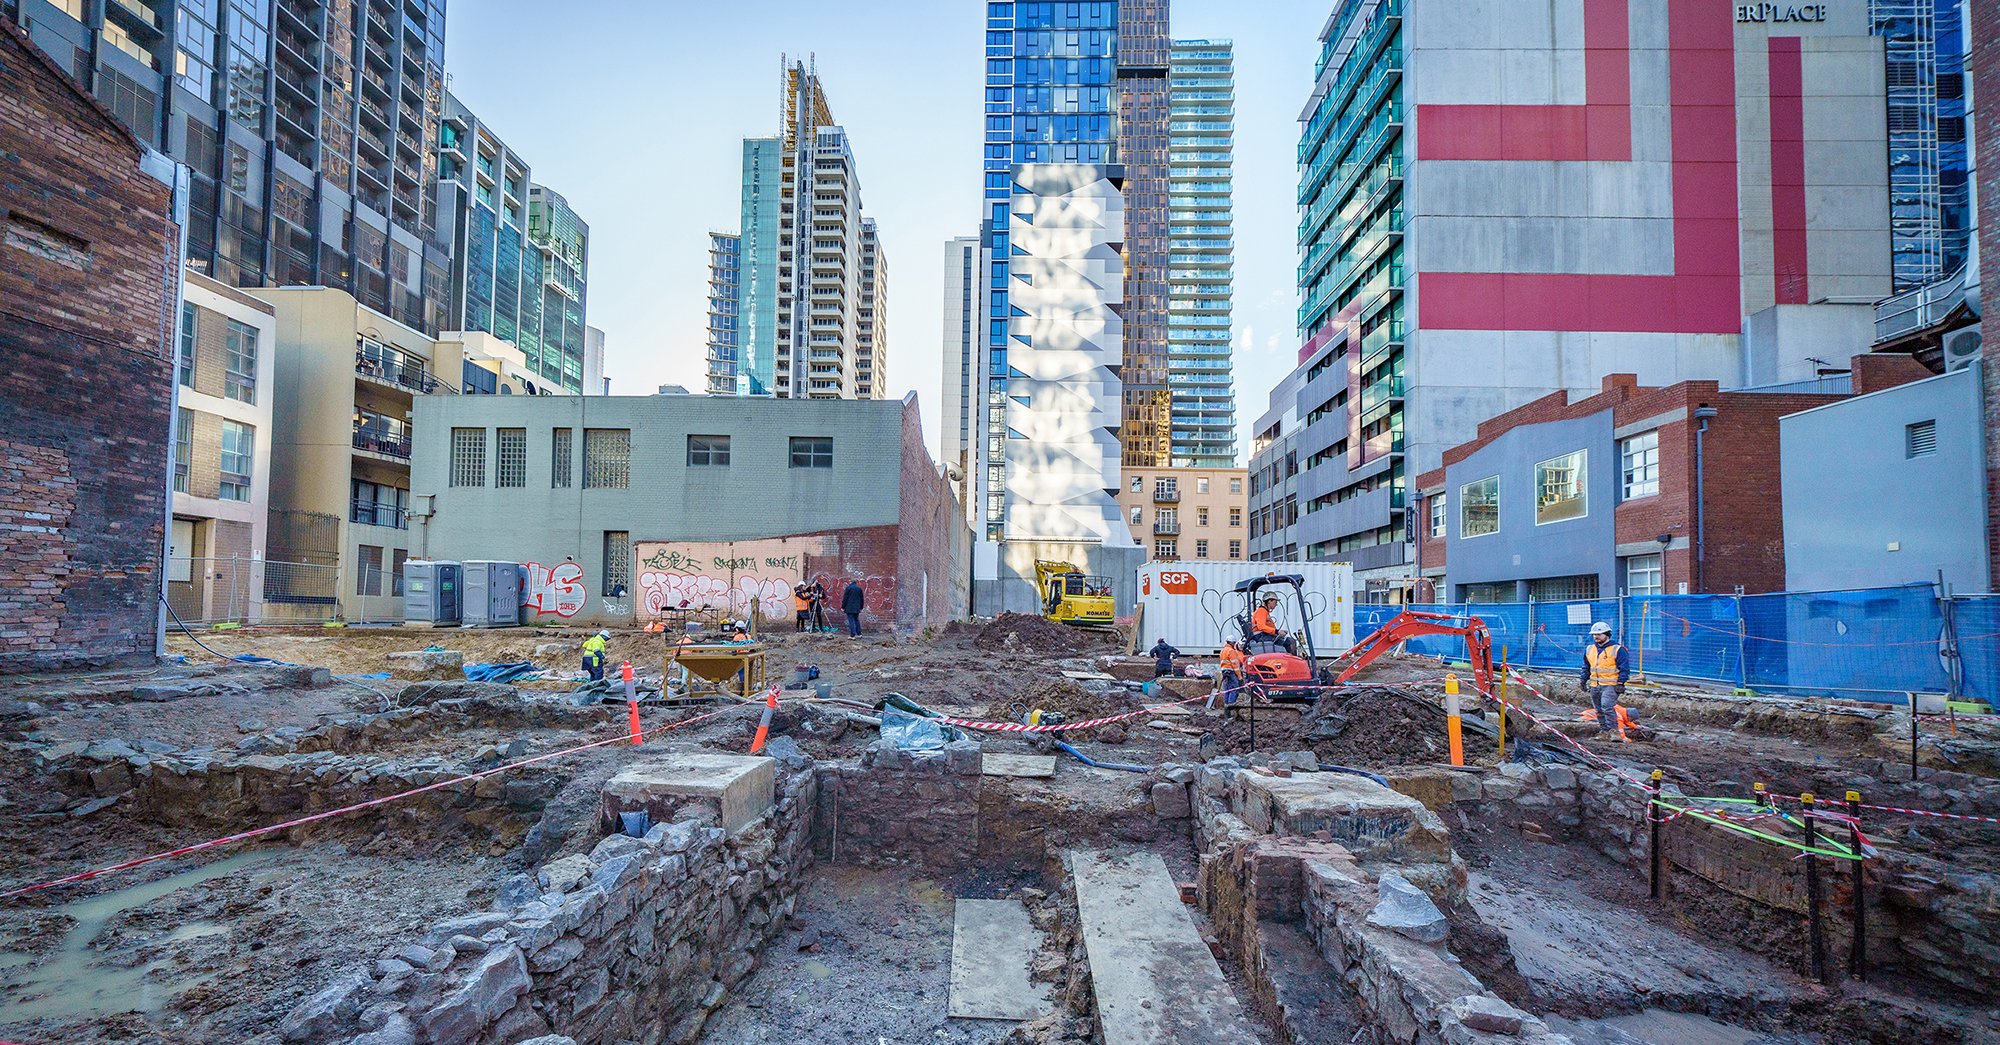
(1192, 604)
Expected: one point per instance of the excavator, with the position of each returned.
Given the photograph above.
(1280, 672)
(1411, 624)
(1073, 597)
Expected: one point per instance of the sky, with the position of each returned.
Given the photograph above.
(635, 112)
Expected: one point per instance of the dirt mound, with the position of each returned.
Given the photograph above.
(1370, 728)
(1060, 695)
(1027, 633)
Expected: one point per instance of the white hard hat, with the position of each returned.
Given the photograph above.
(1600, 628)
(604, 634)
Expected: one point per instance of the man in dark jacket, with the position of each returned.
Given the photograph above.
(851, 603)
(1163, 657)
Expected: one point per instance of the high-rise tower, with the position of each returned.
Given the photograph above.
(1201, 252)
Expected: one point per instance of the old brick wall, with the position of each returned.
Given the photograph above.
(1983, 34)
(88, 260)
(933, 543)
(1744, 502)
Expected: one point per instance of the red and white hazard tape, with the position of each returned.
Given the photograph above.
(243, 836)
(1022, 727)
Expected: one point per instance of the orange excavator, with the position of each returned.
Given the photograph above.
(1411, 624)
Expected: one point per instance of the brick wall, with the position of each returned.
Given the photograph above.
(88, 259)
(1983, 33)
(932, 539)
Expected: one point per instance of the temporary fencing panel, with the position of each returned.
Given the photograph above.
(251, 591)
(1871, 644)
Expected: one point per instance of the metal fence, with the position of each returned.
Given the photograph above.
(1871, 644)
(252, 591)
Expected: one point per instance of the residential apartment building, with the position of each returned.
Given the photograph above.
(595, 383)
(1188, 513)
(89, 264)
(808, 301)
(506, 281)
(1475, 236)
(1273, 506)
(216, 561)
(1631, 491)
(963, 294)
(346, 381)
(309, 129)
(611, 503)
(1201, 251)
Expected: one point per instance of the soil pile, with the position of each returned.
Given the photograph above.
(1370, 728)
(1060, 695)
(1027, 633)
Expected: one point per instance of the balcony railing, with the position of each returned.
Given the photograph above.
(1166, 495)
(1166, 527)
(377, 513)
(392, 440)
(392, 366)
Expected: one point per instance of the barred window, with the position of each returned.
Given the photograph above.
(510, 457)
(708, 450)
(559, 458)
(617, 563)
(607, 458)
(468, 457)
(239, 362)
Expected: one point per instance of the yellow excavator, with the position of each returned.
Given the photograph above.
(1071, 596)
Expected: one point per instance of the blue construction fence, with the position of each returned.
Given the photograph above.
(1869, 644)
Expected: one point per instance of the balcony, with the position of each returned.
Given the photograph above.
(1166, 527)
(1166, 495)
(1380, 393)
(378, 362)
(379, 436)
(377, 513)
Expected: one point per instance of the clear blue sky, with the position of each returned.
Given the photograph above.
(634, 111)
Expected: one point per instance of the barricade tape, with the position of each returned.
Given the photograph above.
(1022, 727)
(623, 737)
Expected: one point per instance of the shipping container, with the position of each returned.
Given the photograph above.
(1194, 604)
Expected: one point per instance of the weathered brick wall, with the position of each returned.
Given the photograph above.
(88, 258)
(933, 543)
(1983, 34)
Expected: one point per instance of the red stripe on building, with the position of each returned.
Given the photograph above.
(1599, 129)
(1704, 295)
(1788, 172)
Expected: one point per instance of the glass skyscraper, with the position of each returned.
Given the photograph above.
(560, 242)
(1930, 200)
(1200, 260)
(725, 264)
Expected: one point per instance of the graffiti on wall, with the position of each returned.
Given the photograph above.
(733, 576)
(554, 589)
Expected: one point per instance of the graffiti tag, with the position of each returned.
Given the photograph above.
(669, 559)
(557, 589)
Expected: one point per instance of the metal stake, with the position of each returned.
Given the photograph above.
(1653, 817)
(1815, 940)
(1857, 948)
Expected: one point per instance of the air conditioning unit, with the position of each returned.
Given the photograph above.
(1961, 348)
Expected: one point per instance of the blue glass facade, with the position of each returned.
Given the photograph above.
(762, 220)
(1201, 252)
(725, 375)
(1930, 210)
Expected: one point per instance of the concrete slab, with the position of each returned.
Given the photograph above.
(1155, 980)
(1018, 765)
(736, 788)
(992, 945)
(1370, 820)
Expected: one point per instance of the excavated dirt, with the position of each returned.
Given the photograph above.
(1019, 631)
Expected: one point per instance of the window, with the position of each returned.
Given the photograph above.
(1235, 516)
(375, 504)
(1166, 551)
(239, 363)
(1643, 575)
(1167, 487)
(812, 451)
(468, 457)
(708, 451)
(1138, 515)
(1559, 491)
(1479, 507)
(183, 448)
(1201, 516)
(510, 457)
(184, 369)
(400, 557)
(368, 575)
(1236, 485)
(559, 458)
(1438, 514)
(617, 563)
(1920, 438)
(1138, 484)
(1639, 461)
(607, 458)
(1236, 549)
(1201, 484)
(1201, 549)
(239, 445)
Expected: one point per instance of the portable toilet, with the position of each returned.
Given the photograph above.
(431, 590)
(492, 594)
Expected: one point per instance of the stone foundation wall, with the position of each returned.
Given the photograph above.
(899, 807)
(640, 940)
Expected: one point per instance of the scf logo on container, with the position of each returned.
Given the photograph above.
(1177, 582)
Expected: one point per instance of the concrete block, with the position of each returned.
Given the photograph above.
(1368, 819)
(736, 788)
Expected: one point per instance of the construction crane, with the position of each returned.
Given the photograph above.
(1411, 624)
(1072, 597)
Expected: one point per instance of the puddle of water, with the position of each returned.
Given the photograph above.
(72, 983)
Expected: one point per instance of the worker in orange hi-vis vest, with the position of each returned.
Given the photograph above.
(1605, 669)
(1232, 671)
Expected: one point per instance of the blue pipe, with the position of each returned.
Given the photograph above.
(1089, 761)
(1328, 767)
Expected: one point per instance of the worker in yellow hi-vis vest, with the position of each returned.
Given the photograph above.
(1605, 669)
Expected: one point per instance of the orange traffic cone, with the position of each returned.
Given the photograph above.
(764, 723)
(631, 700)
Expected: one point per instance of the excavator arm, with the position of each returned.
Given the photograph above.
(1411, 624)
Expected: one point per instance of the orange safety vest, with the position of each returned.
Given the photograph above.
(801, 603)
(1232, 658)
(1262, 623)
(1603, 663)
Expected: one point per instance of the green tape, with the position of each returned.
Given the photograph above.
(1837, 854)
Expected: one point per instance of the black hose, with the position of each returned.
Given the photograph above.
(1328, 767)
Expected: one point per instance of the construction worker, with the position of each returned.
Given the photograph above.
(1163, 658)
(1605, 669)
(802, 603)
(593, 655)
(1264, 627)
(1232, 672)
(742, 632)
(817, 593)
(852, 601)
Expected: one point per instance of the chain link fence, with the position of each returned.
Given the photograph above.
(252, 591)
(1871, 644)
